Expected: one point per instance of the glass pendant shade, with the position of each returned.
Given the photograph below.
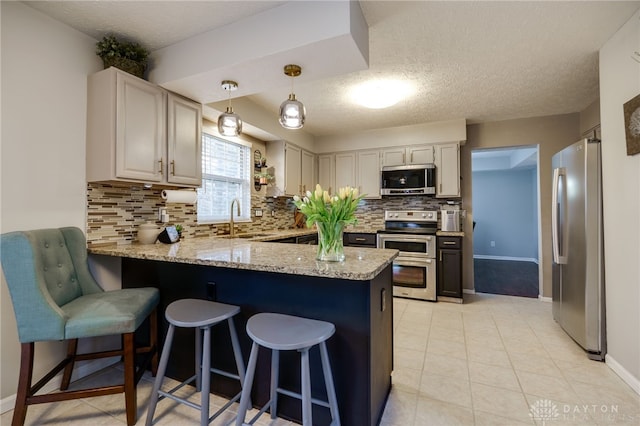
(292, 113)
(229, 123)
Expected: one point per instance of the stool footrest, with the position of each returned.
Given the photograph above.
(291, 394)
(299, 396)
(225, 406)
(179, 399)
(225, 373)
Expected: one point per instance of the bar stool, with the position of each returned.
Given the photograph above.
(202, 315)
(285, 332)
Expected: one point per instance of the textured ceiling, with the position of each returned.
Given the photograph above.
(482, 61)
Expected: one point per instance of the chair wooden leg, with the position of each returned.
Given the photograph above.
(153, 341)
(130, 378)
(24, 384)
(72, 347)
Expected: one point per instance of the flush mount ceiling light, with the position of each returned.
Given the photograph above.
(292, 112)
(229, 123)
(377, 94)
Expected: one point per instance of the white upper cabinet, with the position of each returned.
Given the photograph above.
(345, 170)
(368, 178)
(447, 161)
(308, 178)
(294, 169)
(327, 172)
(420, 154)
(127, 127)
(401, 156)
(394, 156)
(184, 127)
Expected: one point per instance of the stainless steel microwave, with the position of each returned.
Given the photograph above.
(415, 179)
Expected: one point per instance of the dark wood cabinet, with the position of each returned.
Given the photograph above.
(361, 350)
(359, 239)
(450, 267)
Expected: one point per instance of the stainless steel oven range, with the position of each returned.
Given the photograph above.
(413, 233)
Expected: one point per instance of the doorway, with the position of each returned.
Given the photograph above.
(506, 234)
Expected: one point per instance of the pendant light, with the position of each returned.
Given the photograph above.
(229, 123)
(292, 112)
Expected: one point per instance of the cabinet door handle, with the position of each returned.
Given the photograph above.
(160, 163)
(411, 158)
(361, 239)
(449, 243)
(173, 168)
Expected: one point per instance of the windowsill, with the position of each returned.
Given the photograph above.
(222, 222)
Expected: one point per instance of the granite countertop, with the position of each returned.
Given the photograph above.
(361, 264)
(363, 229)
(450, 234)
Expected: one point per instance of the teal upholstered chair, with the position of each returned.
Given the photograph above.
(55, 297)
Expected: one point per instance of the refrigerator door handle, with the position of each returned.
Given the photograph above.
(558, 258)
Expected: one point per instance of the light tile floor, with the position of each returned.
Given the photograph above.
(494, 360)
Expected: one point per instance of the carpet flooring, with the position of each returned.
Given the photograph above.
(513, 278)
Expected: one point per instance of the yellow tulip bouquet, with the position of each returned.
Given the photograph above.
(330, 213)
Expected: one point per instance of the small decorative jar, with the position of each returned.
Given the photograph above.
(148, 233)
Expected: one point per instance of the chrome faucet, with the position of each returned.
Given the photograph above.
(232, 231)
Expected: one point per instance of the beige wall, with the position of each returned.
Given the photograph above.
(44, 77)
(620, 82)
(590, 118)
(550, 134)
(416, 134)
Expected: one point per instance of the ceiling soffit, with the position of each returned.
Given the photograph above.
(325, 38)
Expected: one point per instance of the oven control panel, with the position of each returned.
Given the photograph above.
(411, 215)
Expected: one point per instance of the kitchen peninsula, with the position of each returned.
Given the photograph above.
(355, 295)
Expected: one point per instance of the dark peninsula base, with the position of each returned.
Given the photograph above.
(361, 351)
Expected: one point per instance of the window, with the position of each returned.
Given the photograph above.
(226, 168)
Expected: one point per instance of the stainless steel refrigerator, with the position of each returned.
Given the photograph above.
(578, 261)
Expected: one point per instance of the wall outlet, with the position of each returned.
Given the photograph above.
(258, 213)
(493, 243)
(163, 216)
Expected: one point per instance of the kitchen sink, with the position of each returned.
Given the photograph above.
(244, 236)
(252, 235)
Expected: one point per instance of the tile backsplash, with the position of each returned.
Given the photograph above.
(114, 213)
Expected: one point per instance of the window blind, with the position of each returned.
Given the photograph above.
(226, 169)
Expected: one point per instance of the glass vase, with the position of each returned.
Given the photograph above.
(330, 248)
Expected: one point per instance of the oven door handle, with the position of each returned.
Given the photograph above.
(419, 264)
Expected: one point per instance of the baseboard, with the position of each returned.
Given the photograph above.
(624, 374)
(545, 299)
(469, 290)
(514, 259)
(83, 370)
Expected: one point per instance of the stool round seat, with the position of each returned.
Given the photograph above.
(191, 313)
(286, 332)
